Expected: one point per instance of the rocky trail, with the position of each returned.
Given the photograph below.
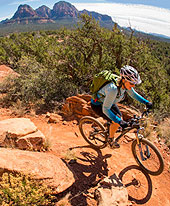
(90, 166)
(84, 165)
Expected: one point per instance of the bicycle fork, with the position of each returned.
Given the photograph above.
(146, 151)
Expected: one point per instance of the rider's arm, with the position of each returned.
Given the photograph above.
(137, 96)
(110, 96)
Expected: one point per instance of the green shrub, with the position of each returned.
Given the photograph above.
(21, 190)
(163, 131)
(40, 88)
(55, 65)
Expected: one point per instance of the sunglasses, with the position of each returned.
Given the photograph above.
(131, 84)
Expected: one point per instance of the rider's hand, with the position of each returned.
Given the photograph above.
(123, 124)
(149, 105)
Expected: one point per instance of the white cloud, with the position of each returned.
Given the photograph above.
(141, 17)
(5, 17)
(22, 2)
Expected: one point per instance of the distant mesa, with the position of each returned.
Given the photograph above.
(97, 16)
(25, 14)
(63, 10)
(24, 11)
(44, 11)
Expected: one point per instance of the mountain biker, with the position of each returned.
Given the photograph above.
(112, 93)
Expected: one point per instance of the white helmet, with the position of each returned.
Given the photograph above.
(130, 74)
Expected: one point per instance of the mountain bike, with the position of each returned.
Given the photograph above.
(145, 152)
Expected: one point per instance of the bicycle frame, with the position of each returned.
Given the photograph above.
(142, 149)
(137, 126)
(126, 130)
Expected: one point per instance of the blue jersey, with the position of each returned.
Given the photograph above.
(110, 94)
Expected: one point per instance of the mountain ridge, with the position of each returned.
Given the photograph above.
(61, 10)
(63, 14)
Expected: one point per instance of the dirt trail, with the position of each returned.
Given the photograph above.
(66, 142)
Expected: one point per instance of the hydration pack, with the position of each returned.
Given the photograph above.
(100, 80)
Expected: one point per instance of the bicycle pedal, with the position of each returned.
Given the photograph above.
(113, 144)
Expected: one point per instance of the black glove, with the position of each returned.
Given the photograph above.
(123, 124)
(149, 105)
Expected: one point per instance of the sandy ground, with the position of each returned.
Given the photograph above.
(65, 141)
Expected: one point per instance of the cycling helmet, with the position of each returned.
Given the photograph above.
(130, 74)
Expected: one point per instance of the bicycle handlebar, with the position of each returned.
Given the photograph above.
(146, 112)
(134, 122)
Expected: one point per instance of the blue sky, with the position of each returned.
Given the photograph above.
(152, 16)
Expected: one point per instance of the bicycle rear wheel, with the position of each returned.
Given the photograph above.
(148, 157)
(93, 132)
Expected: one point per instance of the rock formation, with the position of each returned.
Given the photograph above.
(47, 167)
(21, 133)
(79, 106)
(25, 14)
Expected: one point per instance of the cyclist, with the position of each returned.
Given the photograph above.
(110, 94)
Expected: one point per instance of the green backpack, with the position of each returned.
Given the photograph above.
(100, 80)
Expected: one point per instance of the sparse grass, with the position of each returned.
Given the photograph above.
(19, 190)
(46, 145)
(18, 109)
(168, 166)
(64, 201)
(69, 155)
(149, 125)
(163, 130)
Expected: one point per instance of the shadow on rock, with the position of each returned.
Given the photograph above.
(89, 169)
(138, 184)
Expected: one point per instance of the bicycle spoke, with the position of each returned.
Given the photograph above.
(148, 157)
(93, 132)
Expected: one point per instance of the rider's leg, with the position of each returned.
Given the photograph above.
(114, 126)
(112, 129)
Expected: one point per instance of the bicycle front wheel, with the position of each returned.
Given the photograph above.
(148, 157)
(93, 132)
